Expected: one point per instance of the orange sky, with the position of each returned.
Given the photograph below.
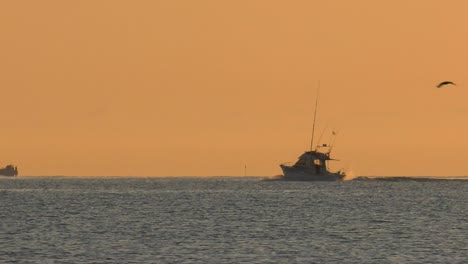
(168, 88)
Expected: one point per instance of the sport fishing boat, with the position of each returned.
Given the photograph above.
(312, 165)
(9, 170)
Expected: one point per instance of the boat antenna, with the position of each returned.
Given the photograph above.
(321, 135)
(315, 115)
(334, 133)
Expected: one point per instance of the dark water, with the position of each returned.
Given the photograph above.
(231, 220)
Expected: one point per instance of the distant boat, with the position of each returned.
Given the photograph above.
(9, 170)
(312, 164)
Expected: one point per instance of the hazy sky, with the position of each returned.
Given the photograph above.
(175, 87)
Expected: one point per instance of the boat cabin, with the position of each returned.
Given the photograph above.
(313, 161)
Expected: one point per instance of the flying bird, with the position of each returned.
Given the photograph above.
(444, 83)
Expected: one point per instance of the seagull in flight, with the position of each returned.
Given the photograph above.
(445, 83)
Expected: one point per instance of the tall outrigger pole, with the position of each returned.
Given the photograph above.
(315, 115)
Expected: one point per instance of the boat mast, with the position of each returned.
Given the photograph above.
(315, 115)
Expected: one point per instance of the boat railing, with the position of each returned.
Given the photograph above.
(295, 165)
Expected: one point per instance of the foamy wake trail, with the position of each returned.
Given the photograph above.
(350, 174)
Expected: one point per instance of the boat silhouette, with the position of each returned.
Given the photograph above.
(9, 170)
(312, 165)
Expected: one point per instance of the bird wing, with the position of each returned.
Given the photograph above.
(444, 83)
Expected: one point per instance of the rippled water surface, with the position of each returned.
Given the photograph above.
(231, 220)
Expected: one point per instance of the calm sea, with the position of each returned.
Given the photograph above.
(231, 220)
